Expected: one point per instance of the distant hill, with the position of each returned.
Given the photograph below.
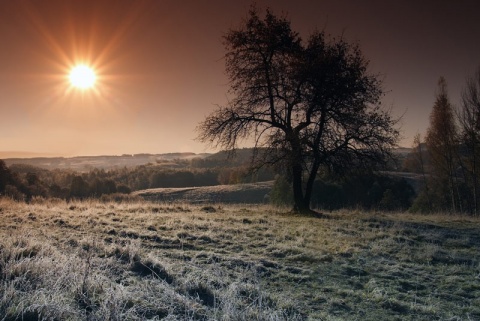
(22, 154)
(86, 163)
(402, 151)
(245, 154)
(241, 157)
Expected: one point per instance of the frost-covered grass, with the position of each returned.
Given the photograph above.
(145, 261)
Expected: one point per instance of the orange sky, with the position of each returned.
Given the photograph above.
(160, 68)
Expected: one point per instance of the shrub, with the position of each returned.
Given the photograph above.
(364, 190)
(281, 194)
(12, 192)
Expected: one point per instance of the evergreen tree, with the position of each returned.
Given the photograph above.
(441, 141)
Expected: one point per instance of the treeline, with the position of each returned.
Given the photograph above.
(23, 182)
(448, 158)
(362, 190)
(365, 190)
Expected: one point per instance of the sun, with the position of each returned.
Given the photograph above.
(82, 77)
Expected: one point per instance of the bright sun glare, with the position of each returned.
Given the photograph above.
(82, 77)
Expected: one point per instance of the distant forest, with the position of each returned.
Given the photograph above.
(409, 182)
(25, 181)
(367, 190)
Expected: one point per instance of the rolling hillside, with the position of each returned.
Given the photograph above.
(239, 193)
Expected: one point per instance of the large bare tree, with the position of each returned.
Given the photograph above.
(307, 104)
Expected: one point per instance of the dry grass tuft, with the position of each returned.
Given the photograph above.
(143, 261)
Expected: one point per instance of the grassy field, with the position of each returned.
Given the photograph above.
(146, 261)
(252, 193)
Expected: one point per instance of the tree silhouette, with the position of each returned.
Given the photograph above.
(78, 188)
(469, 117)
(441, 140)
(5, 176)
(310, 103)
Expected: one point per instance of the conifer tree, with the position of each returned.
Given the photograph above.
(441, 141)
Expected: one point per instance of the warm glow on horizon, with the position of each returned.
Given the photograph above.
(157, 68)
(82, 77)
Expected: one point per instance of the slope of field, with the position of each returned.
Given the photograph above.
(239, 193)
(145, 261)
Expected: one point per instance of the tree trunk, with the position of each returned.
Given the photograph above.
(474, 176)
(425, 182)
(299, 205)
(311, 179)
(298, 197)
(451, 181)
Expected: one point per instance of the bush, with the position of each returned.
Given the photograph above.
(363, 190)
(120, 198)
(282, 193)
(123, 189)
(12, 192)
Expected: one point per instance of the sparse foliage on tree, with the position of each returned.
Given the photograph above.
(311, 103)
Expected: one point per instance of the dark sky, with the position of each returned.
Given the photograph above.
(160, 69)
